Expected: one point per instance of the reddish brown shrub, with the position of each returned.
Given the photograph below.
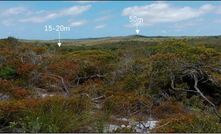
(20, 93)
(126, 103)
(167, 109)
(25, 69)
(174, 124)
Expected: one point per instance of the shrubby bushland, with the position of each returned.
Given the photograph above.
(177, 82)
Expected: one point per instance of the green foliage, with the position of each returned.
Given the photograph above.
(195, 103)
(7, 72)
(93, 61)
(172, 58)
(56, 119)
(12, 40)
(54, 115)
(124, 130)
(101, 122)
(132, 83)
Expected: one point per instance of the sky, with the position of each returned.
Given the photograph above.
(90, 19)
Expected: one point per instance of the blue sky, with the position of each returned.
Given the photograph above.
(27, 20)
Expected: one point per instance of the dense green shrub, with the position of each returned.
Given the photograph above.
(7, 72)
(173, 58)
(55, 114)
(56, 119)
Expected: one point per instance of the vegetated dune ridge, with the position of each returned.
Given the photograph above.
(112, 84)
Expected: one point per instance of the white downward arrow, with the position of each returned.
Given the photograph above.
(137, 31)
(59, 42)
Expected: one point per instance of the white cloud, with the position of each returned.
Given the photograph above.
(102, 18)
(100, 26)
(13, 11)
(39, 19)
(77, 23)
(75, 10)
(188, 24)
(161, 12)
(72, 11)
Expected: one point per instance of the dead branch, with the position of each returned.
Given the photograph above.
(22, 60)
(65, 89)
(163, 125)
(204, 97)
(95, 100)
(195, 74)
(179, 89)
(98, 98)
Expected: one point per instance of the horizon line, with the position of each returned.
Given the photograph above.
(101, 37)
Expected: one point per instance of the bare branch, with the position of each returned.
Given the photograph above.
(195, 74)
(65, 89)
(204, 97)
(179, 89)
(95, 100)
